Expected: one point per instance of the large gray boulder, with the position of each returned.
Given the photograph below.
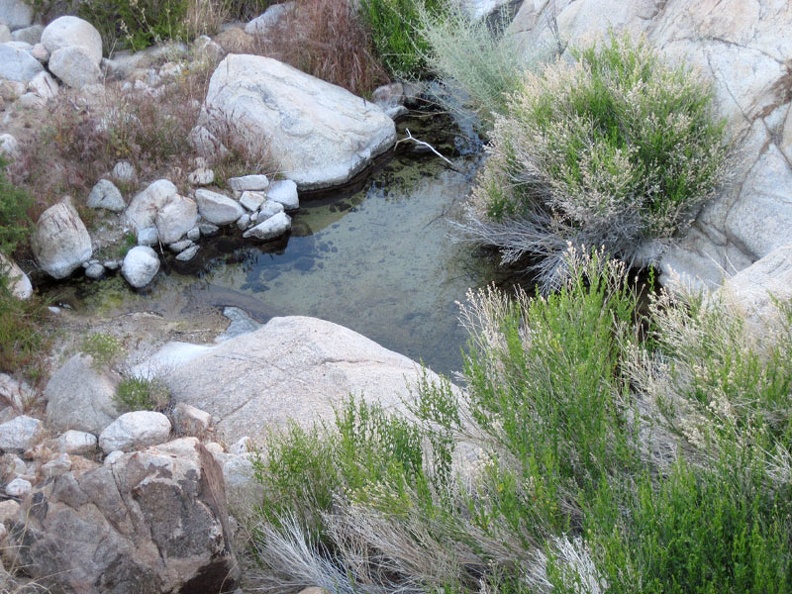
(291, 369)
(80, 397)
(17, 64)
(72, 31)
(317, 134)
(134, 431)
(176, 218)
(19, 282)
(60, 242)
(142, 210)
(147, 522)
(743, 48)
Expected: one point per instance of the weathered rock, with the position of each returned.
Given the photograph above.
(249, 183)
(318, 134)
(252, 200)
(44, 85)
(74, 67)
(79, 443)
(275, 15)
(176, 218)
(149, 522)
(267, 210)
(5, 33)
(739, 46)
(754, 292)
(284, 192)
(20, 284)
(57, 466)
(188, 254)
(142, 210)
(71, 31)
(60, 242)
(203, 176)
(149, 236)
(18, 488)
(16, 394)
(216, 208)
(94, 270)
(31, 34)
(134, 431)
(191, 421)
(20, 433)
(16, 13)
(9, 146)
(140, 266)
(291, 369)
(272, 228)
(18, 65)
(106, 195)
(79, 397)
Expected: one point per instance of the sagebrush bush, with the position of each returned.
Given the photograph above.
(481, 68)
(542, 475)
(141, 393)
(612, 150)
(395, 31)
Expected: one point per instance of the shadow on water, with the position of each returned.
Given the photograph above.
(377, 258)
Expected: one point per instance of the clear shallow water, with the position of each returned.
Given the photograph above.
(380, 261)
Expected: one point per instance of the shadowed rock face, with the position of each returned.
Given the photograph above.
(315, 133)
(743, 47)
(149, 522)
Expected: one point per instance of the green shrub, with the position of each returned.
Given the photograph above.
(15, 222)
(480, 68)
(104, 348)
(613, 150)
(395, 31)
(24, 340)
(140, 393)
(546, 472)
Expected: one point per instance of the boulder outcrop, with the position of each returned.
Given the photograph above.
(143, 523)
(291, 369)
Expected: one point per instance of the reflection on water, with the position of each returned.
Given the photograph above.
(380, 262)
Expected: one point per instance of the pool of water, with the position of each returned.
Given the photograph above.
(380, 261)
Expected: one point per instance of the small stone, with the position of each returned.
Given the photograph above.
(58, 466)
(135, 430)
(188, 420)
(9, 509)
(19, 487)
(32, 101)
(194, 234)
(208, 229)
(140, 266)
(274, 227)
(9, 146)
(285, 192)
(248, 182)
(243, 222)
(106, 195)
(20, 433)
(188, 254)
(77, 442)
(269, 209)
(252, 200)
(216, 208)
(95, 271)
(112, 264)
(180, 246)
(201, 177)
(148, 236)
